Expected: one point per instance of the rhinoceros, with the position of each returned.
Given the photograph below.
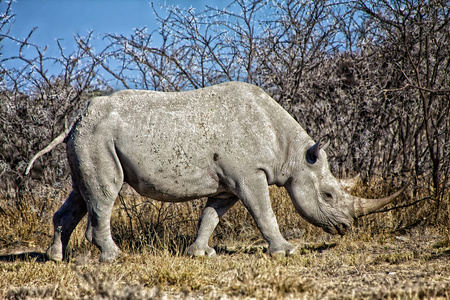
(227, 142)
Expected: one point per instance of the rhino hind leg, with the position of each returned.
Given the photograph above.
(215, 208)
(98, 231)
(64, 221)
(99, 177)
(100, 198)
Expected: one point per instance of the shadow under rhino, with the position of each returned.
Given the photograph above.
(25, 256)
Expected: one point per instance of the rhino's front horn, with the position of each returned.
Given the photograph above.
(362, 207)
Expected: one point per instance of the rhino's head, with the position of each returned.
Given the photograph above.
(321, 199)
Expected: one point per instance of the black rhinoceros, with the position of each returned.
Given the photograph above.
(227, 142)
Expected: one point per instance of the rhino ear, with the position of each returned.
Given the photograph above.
(312, 155)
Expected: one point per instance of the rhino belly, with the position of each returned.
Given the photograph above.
(168, 176)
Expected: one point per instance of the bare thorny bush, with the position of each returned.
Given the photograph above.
(372, 75)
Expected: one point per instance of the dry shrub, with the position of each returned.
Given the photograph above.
(409, 210)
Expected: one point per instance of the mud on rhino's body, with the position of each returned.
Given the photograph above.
(226, 142)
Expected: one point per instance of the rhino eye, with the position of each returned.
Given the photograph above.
(327, 196)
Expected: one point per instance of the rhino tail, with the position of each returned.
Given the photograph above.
(61, 138)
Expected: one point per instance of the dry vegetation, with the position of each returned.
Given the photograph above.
(347, 268)
(379, 259)
(373, 75)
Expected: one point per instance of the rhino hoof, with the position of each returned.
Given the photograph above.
(53, 254)
(195, 250)
(282, 251)
(109, 256)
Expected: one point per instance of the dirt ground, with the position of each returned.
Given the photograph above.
(412, 264)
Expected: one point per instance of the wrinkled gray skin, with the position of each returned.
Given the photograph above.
(227, 142)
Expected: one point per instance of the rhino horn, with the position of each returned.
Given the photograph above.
(313, 153)
(350, 183)
(362, 207)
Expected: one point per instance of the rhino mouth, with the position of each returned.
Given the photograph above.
(334, 229)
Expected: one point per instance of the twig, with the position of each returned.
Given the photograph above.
(402, 206)
(438, 92)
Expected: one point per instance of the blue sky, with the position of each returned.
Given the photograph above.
(62, 19)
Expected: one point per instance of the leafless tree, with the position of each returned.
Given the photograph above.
(413, 37)
(373, 75)
(35, 107)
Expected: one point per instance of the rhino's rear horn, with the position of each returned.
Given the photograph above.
(312, 155)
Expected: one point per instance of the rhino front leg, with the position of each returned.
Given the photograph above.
(64, 221)
(215, 208)
(254, 193)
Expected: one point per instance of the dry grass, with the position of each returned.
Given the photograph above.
(379, 259)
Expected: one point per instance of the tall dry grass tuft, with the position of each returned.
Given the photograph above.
(28, 219)
(142, 224)
(139, 222)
